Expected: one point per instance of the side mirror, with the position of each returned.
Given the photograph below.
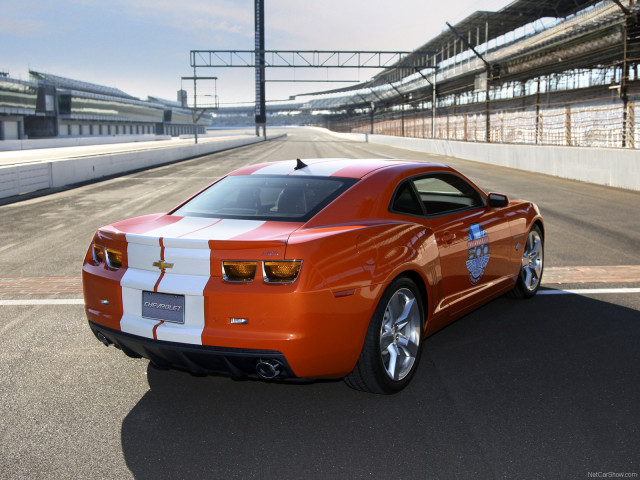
(498, 200)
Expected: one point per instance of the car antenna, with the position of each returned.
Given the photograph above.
(300, 164)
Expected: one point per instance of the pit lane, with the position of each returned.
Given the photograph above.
(517, 389)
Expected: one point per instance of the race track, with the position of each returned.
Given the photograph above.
(542, 388)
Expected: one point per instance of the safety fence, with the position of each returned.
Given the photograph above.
(592, 124)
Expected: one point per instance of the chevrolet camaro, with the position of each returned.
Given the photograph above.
(324, 268)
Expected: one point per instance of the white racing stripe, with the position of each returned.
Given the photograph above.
(132, 284)
(191, 330)
(183, 284)
(132, 321)
(319, 167)
(184, 226)
(278, 168)
(141, 257)
(137, 239)
(225, 230)
(324, 169)
(187, 261)
(190, 243)
(191, 286)
(140, 279)
(191, 259)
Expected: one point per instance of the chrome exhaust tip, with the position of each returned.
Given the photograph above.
(268, 368)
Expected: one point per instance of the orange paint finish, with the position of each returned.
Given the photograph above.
(320, 335)
(138, 224)
(351, 251)
(155, 330)
(233, 250)
(101, 283)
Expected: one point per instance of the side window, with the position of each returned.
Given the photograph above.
(442, 193)
(405, 201)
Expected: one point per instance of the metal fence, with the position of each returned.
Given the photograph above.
(584, 124)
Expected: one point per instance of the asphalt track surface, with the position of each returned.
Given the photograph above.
(540, 388)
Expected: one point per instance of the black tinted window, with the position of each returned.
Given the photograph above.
(405, 201)
(442, 193)
(262, 197)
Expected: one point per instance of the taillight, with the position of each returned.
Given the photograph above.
(285, 271)
(239, 271)
(114, 258)
(244, 271)
(111, 257)
(98, 254)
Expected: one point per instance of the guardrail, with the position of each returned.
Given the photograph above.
(614, 167)
(23, 178)
(56, 142)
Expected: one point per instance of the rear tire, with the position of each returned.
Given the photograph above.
(393, 343)
(531, 267)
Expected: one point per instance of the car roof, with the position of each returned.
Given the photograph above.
(328, 167)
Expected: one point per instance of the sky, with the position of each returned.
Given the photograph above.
(142, 46)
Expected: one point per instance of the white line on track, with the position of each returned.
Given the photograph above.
(7, 247)
(580, 291)
(588, 291)
(46, 301)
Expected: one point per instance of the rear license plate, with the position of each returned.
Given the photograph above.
(163, 306)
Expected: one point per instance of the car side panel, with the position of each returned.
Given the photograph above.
(474, 253)
(351, 252)
(370, 256)
(101, 285)
(319, 333)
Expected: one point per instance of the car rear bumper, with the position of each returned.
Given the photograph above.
(318, 332)
(198, 359)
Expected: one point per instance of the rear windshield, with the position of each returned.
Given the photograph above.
(265, 197)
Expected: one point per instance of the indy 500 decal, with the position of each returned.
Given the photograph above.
(478, 247)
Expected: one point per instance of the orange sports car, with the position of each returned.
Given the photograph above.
(322, 268)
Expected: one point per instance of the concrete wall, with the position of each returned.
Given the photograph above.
(19, 179)
(12, 145)
(614, 167)
(11, 128)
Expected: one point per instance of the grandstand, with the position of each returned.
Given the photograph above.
(53, 106)
(547, 72)
(554, 72)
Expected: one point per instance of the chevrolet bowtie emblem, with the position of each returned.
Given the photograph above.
(162, 264)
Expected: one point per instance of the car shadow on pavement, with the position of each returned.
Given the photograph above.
(541, 388)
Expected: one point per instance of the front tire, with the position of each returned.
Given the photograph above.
(532, 265)
(393, 343)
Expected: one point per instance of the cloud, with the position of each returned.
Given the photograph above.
(202, 16)
(21, 27)
(22, 19)
(142, 46)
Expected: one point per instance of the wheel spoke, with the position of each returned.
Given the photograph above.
(410, 348)
(388, 320)
(532, 260)
(527, 276)
(535, 248)
(407, 314)
(386, 339)
(393, 367)
(538, 269)
(394, 309)
(399, 338)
